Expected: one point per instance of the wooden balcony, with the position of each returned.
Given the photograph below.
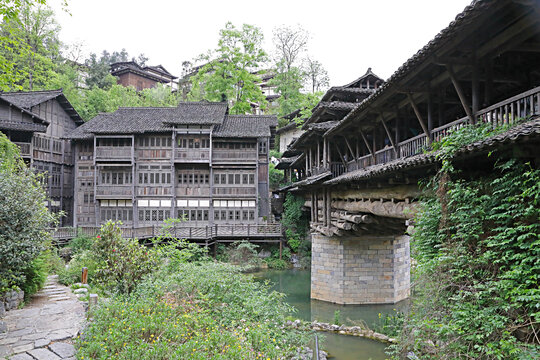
(235, 191)
(234, 155)
(114, 192)
(192, 155)
(154, 190)
(192, 191)
(25, 149)
(113, 153)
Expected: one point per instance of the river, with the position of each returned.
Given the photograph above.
(296, 285)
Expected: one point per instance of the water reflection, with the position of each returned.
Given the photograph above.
(296, 284)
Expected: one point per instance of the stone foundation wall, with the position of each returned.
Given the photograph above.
(360, 270)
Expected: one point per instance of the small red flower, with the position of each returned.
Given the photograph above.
(99, 237)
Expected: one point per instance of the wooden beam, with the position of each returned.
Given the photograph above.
(398, 210)
(452, 60)
(460, 93)
(419, 117)
(341, 156)
(367, 143)
(475, 84)
(388, 134)
(349, 146)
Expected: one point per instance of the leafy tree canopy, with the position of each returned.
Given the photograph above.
(229, 73)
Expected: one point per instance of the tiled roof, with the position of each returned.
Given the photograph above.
(22, 126)
(159, 119)
(289, 126)
(246, 126)
(524, 132)
(284, 163)
(28, 99)
(323, 126)
(346, 90)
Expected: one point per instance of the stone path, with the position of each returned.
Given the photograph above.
(44, 328)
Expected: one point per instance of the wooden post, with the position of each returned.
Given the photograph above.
(475, 90)
(460, 93)
(388, 134)
(84, 276)
(430, 115)
(367, 144)
(280, 248)
(419, 116)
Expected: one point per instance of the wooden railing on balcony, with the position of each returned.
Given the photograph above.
(24, 148)
(114, 190)
(209, 232)
(111, 153)
(237, 191)
(192, 155)
(241, 155)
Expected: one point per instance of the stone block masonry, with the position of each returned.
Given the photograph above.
(360, 270)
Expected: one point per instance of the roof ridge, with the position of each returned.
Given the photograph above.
(18, 92)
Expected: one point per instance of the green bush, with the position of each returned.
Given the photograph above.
(277, 264)
(296, 224)
(72, 273)
(81, 242)
(121, 263)
(243, 253)
(35, 276)
(24, 218)
(202, 311)
(477, 243)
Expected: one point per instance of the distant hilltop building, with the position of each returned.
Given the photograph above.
(129, 73)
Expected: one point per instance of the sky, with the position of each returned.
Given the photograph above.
(347, 37)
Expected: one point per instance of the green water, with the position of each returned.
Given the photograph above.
(296, 285)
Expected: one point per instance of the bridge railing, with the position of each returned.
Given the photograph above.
(505, 112)
(180, 231)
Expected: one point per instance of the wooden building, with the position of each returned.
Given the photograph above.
(129, 73)
(194, 161)
(37, 122)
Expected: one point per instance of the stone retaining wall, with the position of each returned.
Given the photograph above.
(10, 300)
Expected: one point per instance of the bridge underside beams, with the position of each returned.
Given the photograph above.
(360, 269)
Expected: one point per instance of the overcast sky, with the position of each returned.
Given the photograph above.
(347, 37)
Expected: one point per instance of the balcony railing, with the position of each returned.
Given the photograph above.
(236, 155)
(192, 155)
(112, 153)
(116, 191)
(24, 149)
(234, 190)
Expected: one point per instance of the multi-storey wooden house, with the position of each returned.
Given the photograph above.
(194, 161)
(37, 122)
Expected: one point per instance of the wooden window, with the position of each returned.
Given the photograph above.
(251, 215)
(252, 179)
(223, 178)
(231, 179)
(244, 178)
(216, 179)
(237, 179)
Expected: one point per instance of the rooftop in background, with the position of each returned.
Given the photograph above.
(130, 73)
(137, 120)
(28, 99)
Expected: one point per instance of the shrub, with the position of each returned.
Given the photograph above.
(81, 242)
(243, 253)
(24, 218)
(277, 264)
(72, 273)
(121, 263)
(35, 276)
(295, 224)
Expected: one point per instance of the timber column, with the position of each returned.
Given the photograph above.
(360, 269)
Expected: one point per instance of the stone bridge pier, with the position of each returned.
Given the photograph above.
(360, 269)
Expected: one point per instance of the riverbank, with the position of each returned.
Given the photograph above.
(296, 285)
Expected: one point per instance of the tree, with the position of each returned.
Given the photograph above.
(32, 47)
(24, 218)
(229, 70)
(290, 43)
(316, 75)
